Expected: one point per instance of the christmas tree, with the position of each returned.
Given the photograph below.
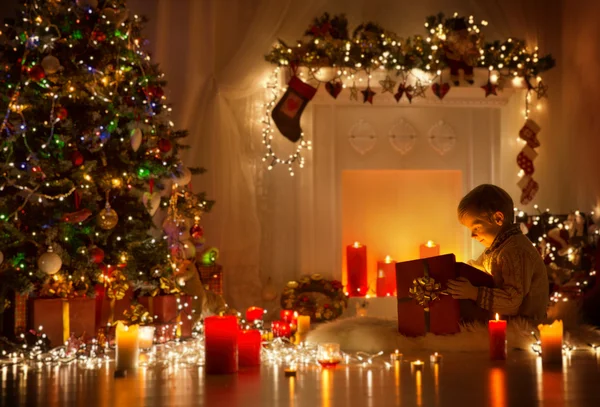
(88, 155)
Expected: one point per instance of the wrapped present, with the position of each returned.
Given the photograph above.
(171, 310)
(111, 309)
(62, 317)
(424, 306)
(212, 277)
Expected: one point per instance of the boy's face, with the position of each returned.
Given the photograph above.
(483, 229)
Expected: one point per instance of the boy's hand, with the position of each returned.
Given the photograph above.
(462, 289)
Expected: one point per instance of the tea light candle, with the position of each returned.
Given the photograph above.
(416, 365)
(551, 337)
(249, 344)
(220, 344)
(303, 324)
(146, 336)
(329, 354)
(254, 313)
(396, 356)
(429, 249)
(290, 371)
(497, 332)
(435, 358)
(128, 348)
(356, 270)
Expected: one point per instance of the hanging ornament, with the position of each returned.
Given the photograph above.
(117, 17)
(136, 139)
(440, 89)
(151, 202)
(98, 35)
(108, 218)
(387, 85)
(76, 217)
(353, 92)
(49, 262)
(164, 145)
(404, 90)
(50, 64)
(196, 231)
(490, 88)
(96, 255)
(334, 88)
(37, 73)
(62, 113)
(368, 95)
(77, 158)
(210, 256)
(419, 89)
(269, 291)
(183, 176)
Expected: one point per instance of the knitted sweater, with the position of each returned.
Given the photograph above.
(519, 274)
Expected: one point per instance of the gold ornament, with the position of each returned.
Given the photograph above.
(108, 218)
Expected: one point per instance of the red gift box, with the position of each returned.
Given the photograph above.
(164, 309)
(61, 317)
(424, 307)
(111, 310)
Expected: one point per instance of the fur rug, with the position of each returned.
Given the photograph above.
(371, 335)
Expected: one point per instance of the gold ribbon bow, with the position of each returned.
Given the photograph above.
(137, 314)
(118, 286)
(169, 286)
(425, 290)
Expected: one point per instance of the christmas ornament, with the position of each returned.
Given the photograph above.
(196, 231)
(490, 88)
(136, 139)
(334, 88)
(76, 217)
(154, 92)
(210, 256)
(461, 49)
(404, 90)
(525, 159)
(387, 85)
(50, 64)
(529, 133)
(49, 262)
(368, 95)
(542, 90)
(286, 114)
(269, 291)
(440, 90)
(108, 218)
(528, 186)
(62, 113)
(184, 249)
(77, 158)
(183, 176)
(419, 89)
(96, 255)
(98, 35)
(37, 73)
(164, 145)
(151, 202)
(87, 3)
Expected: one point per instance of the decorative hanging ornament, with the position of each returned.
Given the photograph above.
(49, 262)
(108, 218)
(87, 3)
(136, 139)
(96, 255)
(62, 113)
(183, 176)
(368, 95)
(77, 158)
(151, 202)
(440, 89)
(164, 145)
(50, 64)
(334, 88)
(196, 231)
(37, 73)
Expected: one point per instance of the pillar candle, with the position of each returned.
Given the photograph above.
(281, 329)
(497, 332)
(249, 344)
(386, 277)
(356, 270)
(146, 334)
(429, 249)
(303, 324)
(552, 342)
(220, 344)
(254, 313)
(127, 349)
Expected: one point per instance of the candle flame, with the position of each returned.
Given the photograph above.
(356, 244)
(497, 317)
(388, 259)
(397, 351)
(430, 243)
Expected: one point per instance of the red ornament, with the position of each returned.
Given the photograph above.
(164, 145)
(97, 255)
(154, 92)
(77, 158)
(62, 113)
(37, 73)
(196, 232)
(98, 35)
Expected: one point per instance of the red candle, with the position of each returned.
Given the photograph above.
(429, 249)
(287, 315)
(249, 347)
(497, 330)
(281, 329)
(220, 344)
(386, 277)
(356, 270)
(254, 313)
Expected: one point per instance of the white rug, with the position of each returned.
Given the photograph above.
(371, 334)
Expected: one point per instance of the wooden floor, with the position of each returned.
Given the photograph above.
(461, 380)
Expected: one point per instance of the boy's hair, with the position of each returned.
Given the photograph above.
(487, 199)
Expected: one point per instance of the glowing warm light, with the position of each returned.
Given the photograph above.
(388, 259)
(356, 244)
(430, 243)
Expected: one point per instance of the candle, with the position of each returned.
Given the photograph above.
(254, 313)
(290, 371)
(429, 249)
(416, 365)
(329, 354)
(127, 353)
(356, 270)
(249, 347)
(435, 358)
(303, 324)
(220, 344)
(281, 329)
(386, 277)
(551, 337)
(396, 356)
(497, 332)
(146, 336)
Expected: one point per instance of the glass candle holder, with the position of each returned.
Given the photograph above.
(329, 354)
(146, 335)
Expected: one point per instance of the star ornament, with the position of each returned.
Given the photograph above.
(490, 88)
(419, 89)
(387, 85)
(368, 95)
(542, 90)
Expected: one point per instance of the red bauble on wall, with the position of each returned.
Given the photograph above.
(97, 255)
(164, 145)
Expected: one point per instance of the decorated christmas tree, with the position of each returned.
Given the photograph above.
(88, 155)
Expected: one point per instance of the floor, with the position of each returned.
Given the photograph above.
(460, 380)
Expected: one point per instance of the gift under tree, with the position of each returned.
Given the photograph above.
(88, 154)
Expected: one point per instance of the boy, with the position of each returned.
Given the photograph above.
(519, 272)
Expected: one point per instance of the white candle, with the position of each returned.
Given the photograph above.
(551, 337)
(128, 348)
(146, 336)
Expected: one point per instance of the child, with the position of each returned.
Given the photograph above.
(519, 272)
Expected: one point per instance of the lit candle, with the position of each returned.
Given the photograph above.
(356, 270)
(386, 277)
(220, 344)
(396, 356)
(281, 329)
(429, 249)
(416, 365)
(497, 332)
(146, 336)
(303, 324)
(290, 371)
(552, 342)
(435, 358)
(329, 354)
(128, 348)
(249, 347)
(254, 313)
